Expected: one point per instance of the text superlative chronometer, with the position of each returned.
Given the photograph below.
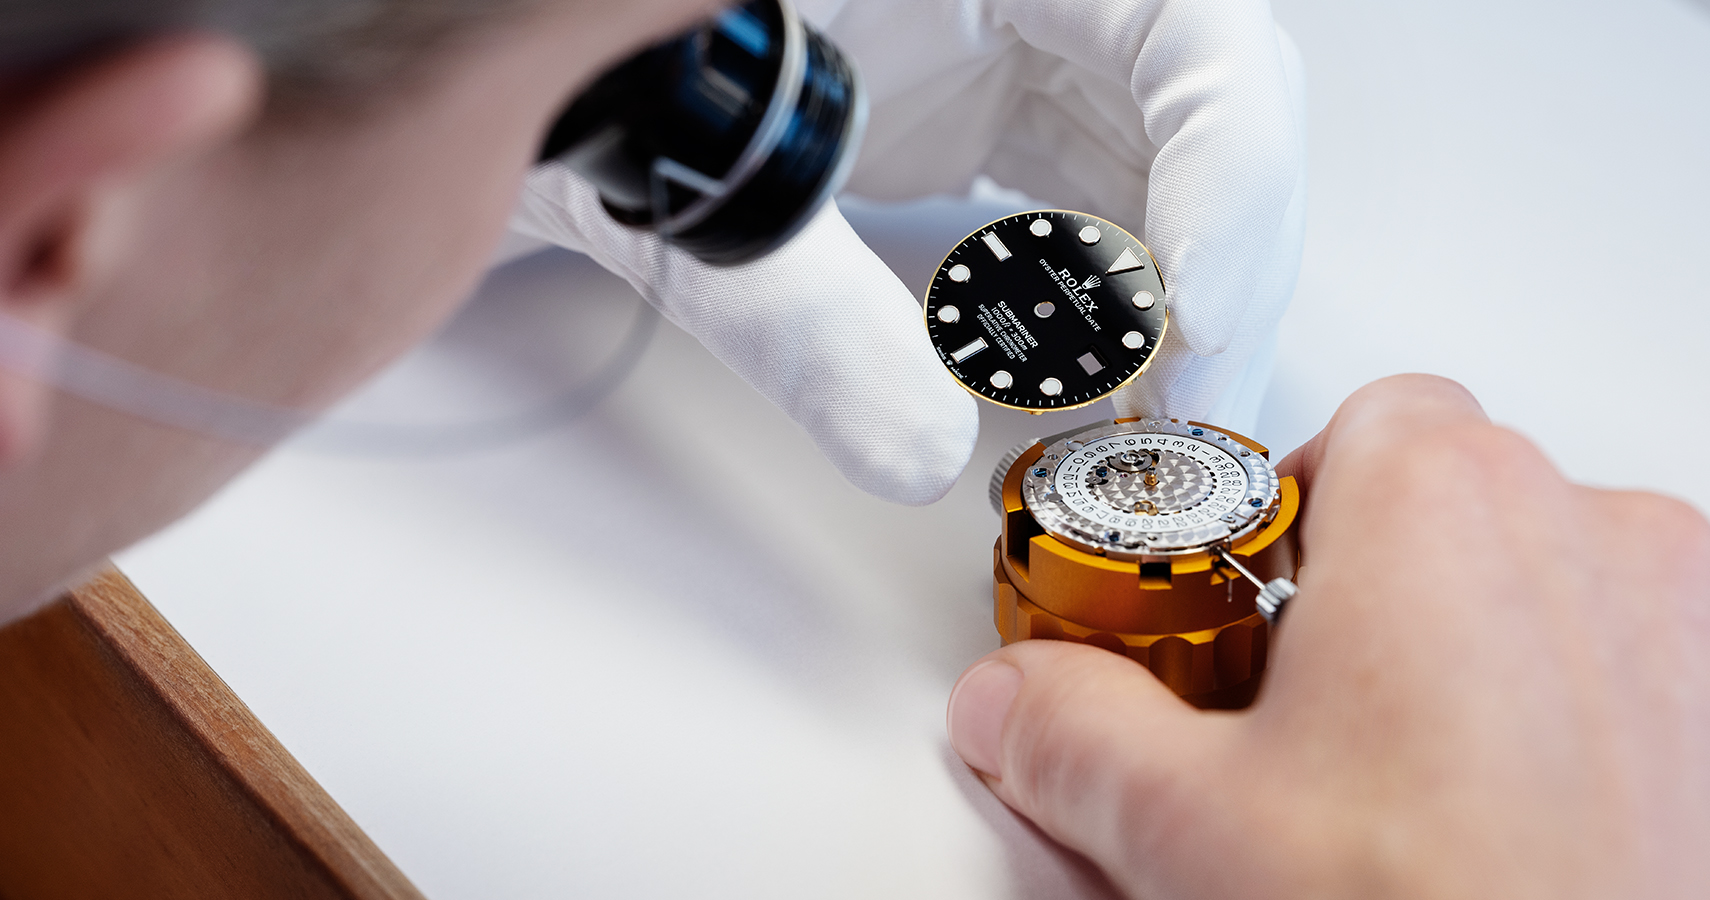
(1170, 542)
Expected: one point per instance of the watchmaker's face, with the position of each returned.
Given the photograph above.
(294, 261)
(309, 252)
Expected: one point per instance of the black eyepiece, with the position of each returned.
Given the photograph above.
(724, 140)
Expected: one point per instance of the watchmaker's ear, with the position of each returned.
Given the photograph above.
(74, 142)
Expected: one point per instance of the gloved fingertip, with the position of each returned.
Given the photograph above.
(1207, 336)
(916, 462)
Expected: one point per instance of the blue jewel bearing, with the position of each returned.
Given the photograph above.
(1048, 309)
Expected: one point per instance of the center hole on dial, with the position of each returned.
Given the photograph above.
(1045, 308)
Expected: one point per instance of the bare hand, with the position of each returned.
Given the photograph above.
(1495, 683)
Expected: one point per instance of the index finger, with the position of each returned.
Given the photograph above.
(1386, 412)
(1387, 409)
(1211, 85)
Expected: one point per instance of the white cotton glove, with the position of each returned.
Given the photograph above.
(1178, 119)
(1181, 120)
(819, 326)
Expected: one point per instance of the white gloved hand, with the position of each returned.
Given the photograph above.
(820, 327)
(1181, 120)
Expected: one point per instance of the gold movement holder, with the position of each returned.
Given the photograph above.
(1191, 622)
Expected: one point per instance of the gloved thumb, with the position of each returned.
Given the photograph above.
(1094, 750)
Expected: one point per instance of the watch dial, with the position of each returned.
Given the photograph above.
(1046, 310)
(1150, 487)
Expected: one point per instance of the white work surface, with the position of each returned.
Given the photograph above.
(665, 651)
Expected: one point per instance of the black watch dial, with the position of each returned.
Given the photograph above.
(1046, 310)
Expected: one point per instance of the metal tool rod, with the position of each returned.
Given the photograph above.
(1231, 562)
(1272, 597)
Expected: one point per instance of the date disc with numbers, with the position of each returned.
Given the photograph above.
(1046, 309)
(1150, 488)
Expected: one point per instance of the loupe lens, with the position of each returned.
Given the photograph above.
(723, 140)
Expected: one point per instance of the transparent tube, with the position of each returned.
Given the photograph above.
(46, 357)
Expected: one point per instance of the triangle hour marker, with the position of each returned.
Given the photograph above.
(1124, 262)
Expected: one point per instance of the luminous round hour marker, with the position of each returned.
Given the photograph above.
(1044, 309)
(959, 272)
(1050, 387)
(1002, 380)
(949, 315)
(1133, 340)
(1144, 299)
(1091, 234)
(1040, 227)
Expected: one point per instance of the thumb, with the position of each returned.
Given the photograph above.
(1095, 751)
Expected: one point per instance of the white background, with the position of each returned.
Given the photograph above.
(665, 651)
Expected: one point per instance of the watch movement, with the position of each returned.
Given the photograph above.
(1169, 542)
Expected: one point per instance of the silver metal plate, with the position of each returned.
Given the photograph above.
(1156, 487)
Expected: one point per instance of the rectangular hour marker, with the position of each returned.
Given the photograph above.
(1090, 361)
(969, 349)
(997, 247)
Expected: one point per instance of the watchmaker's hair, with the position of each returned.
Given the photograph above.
(310, 47)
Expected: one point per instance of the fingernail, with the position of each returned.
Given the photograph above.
(978, 705)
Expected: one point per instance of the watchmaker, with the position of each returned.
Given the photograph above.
(218, 217)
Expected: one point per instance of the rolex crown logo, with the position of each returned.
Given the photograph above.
(1091, 282)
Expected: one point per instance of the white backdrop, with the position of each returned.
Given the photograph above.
(663, 650)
